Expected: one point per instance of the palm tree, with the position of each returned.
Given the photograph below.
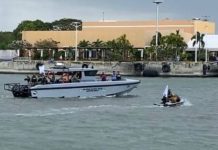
(99, 45)
(174, 44)
(153, 41)
(198, 39)
(124, 46)
(84, 45)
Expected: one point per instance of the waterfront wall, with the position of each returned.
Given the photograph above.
(126, 68)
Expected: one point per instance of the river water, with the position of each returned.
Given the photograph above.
(130, 122)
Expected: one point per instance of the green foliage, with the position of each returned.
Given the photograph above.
(170, 46)
(121, 46)
(46, 44)
(29, 25)
(66, 24)
(150, 53)
(98, 43)
(199, 40)
(19, 44)
(5, 39)
(36, 54)
(84, 43)
(153, 41)
(38, 25)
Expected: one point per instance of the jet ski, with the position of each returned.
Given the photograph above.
(169, 99)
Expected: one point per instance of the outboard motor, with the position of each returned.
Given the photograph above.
(21, 91)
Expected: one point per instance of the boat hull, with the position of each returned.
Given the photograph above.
(84, 89)
(169, 104)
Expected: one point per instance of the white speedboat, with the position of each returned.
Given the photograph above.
(88, 86)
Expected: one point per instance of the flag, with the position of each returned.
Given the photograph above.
(165, 93)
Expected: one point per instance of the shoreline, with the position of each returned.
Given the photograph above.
(197, 75)
(137, 69)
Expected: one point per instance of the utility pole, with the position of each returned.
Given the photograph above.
(157, 2)
(76, 25)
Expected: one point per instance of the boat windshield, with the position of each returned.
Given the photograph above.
(91, 72)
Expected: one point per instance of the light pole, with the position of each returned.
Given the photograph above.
(76, 25)
(157, 2)
(205, 44)
(196, 48)
(206, 32)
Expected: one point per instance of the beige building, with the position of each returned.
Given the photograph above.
(139, 33)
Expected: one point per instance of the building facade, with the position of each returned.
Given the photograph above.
(139, 33)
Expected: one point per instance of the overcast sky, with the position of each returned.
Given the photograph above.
(12, 12)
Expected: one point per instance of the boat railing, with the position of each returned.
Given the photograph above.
(9, 86)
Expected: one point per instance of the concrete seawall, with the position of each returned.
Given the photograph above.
(187, 69)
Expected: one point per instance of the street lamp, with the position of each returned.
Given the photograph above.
(157, 2)
(76, 25)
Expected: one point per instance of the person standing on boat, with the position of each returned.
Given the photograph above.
(113, 76)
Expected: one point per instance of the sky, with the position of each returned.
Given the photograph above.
(13, 12)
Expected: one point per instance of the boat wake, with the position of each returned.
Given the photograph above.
(187, 102)
(72, 110)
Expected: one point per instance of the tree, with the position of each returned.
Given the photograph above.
(169, 46)
(150, 51)
(120, 48)
(20, 45)
(110, 53)
(98, 43)
(199, 40)
(174, 45)
(5, 39)
(84, 43)
(153, 41)
(124, 46)
(66, 24)
(29, 25)
(46, 45)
